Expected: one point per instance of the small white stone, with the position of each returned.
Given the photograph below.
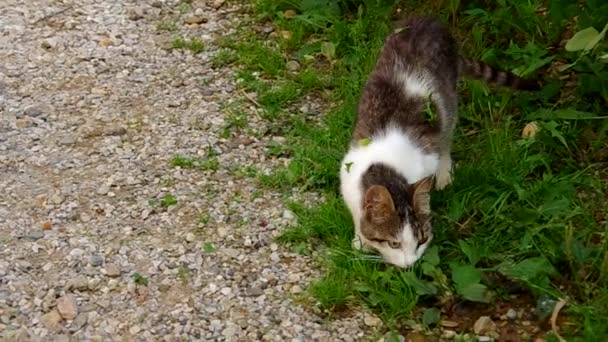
(511, 314)
(226, 291)
(288, 215)
(222, 232)
(190, 237)
(372, 321)
(134, 330)
(103, 189)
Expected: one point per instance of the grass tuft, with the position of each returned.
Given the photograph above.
(195, 45)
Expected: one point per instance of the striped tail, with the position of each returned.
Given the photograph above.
(479, 70)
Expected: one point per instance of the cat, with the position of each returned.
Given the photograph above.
(396, 154)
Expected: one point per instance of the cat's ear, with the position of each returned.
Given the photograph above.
(378, 204)
(421, 196)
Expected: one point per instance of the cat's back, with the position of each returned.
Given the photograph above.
(418, 59)
(420, 44)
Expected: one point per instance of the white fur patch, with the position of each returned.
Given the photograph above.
(395, 149)
(414, 83)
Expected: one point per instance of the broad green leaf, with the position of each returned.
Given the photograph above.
(551, 126)
(581, 39)
(470, 251)
(555, 206)
(431, 256)
(420, 286)
(431, 316)
(527, 269)
(374, 299)
(475, 293)
(393, 337)
(593, 42)
(525, 216)
(465, 275)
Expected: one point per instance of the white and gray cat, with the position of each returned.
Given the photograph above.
(396, 154)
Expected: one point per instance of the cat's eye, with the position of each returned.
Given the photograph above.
(394, 244)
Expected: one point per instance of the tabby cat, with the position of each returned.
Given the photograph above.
(396, 153)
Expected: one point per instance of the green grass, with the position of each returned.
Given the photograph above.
(195, 45)
(210, 163)
(525, 211)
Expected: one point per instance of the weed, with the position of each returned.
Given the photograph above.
(209, 247)
(210, 163)
(195, 45)
(167, 201)
(170, 26)
(138, 279)
(183, 162)
(223, 58)
(204, 218)
(184, 7)
(183, 274)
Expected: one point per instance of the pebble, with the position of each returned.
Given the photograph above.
(67, 140)
(372, 321)
(134, 330)
(296, 289)
(190, 237)
(136, 13)
(115, 130)
(52, 320)
(96, 260)
(35, 235)
(195, 19)
(67, 307)
(448, 334)
(103, 189)
(484, 325)
(231, 252)
(449, 324)
(292, 66)
(112, 270)
(288, 215)
(79, 283)
(512, 314)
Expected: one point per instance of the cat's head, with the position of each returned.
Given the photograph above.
(399, 227)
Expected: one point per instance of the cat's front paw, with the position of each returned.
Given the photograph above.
(357, 244)
(443, 177)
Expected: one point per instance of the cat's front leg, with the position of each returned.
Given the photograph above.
(443, 177)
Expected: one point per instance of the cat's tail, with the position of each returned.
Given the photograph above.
(479, 70)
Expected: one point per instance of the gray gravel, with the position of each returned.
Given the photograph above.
(93, 106)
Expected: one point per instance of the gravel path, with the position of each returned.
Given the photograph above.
(101, 238)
